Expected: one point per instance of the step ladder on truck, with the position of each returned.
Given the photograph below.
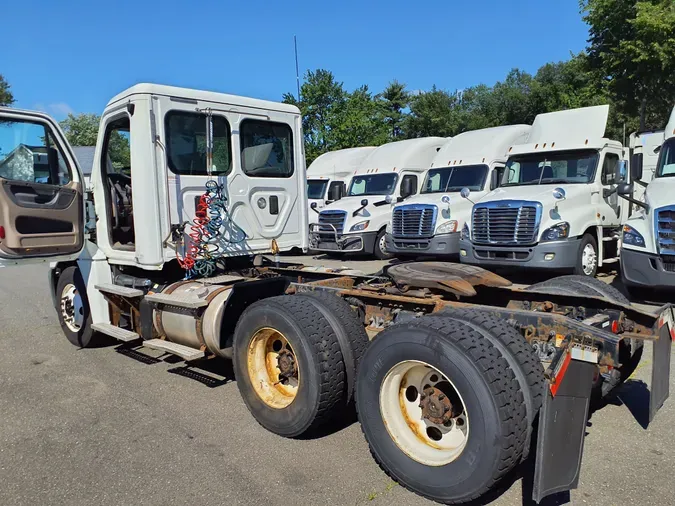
(168, 254)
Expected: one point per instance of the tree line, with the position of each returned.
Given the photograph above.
(629, 63)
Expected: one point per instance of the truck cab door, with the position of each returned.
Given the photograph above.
(41, 191)
(610, 177)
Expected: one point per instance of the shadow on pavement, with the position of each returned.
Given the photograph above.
(633, 394)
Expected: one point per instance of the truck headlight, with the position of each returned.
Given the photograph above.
(447, 227)
(358, 227)
(465, 234)
(556, 232)
(632, 236)
(387, 228)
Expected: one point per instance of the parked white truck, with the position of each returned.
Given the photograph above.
(648, 246)
(430, 223)
(166, 259)
(389, 174)
(557, 206)
(329, 175)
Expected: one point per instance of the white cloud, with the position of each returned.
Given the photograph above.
(58, 109)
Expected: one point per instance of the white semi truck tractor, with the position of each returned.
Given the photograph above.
(430, 223)
(389, 174)
(648, 245)
(557, 207)
(329, 175)
(166, 258)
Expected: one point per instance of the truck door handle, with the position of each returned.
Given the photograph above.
(274, 204)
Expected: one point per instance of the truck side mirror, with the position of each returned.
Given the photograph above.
(494, 179)
(364, 202)
(624, 189)
(407, 187)
(636, 167)
(335, 192)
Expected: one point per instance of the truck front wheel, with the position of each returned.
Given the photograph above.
(441, 409)
(380, 249)
(72, 307)
(587, 258)
(289, 366)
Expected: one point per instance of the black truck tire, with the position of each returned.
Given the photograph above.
(486, 392)
(74, 318)
(348, 329)
(520, 355)
(379, 250)
(584, 285)
(288, 330)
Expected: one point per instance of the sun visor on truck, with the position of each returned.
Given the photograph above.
(569, 127)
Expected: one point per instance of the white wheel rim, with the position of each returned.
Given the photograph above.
(588, 259)
(383, 244)
(72, 309)
(418, 436)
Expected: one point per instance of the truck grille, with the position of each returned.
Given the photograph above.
(331, 222)
(665, 231)
(413, 221)
(506, 222)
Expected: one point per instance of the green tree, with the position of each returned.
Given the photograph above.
(432, 113)
(393, 101)
(322, 98)
(632, 51)
(82, 130)
(6, 97)
(358, 121)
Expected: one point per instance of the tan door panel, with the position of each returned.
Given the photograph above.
(40, 219)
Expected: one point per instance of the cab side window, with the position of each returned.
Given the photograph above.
(29, 153)
(610, 169)
(186, 144)
(266, 148)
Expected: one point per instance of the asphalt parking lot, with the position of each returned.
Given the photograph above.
(108, 426)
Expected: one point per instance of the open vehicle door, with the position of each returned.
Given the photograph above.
(41, 191)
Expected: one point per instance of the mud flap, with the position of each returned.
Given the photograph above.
(660, 386)
(562, 428)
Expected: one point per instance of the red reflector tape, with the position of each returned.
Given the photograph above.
(560, 374)
(2, 232)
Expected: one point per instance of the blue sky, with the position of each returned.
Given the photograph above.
(72, 55)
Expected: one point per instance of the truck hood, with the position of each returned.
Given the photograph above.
(660, 191)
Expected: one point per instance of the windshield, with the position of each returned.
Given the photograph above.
(551, 168)
(453, 179)
(372, 184)
(666, 167)
(316, 188)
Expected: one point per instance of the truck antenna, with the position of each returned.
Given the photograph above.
(297, 73)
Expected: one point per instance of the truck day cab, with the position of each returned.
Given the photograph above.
(557, 206)
(430, 223)
(165, 257)
(329, 175)
(648, 245)
(389, 174)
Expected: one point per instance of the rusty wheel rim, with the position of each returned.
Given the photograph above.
(273, 368)
(424, 413)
